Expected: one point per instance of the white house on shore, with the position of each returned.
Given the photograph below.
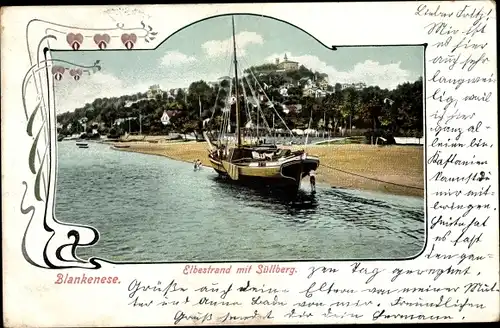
(355, 86)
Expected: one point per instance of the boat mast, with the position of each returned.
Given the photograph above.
(236, 88)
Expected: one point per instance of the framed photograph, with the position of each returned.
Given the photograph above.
(276, 163)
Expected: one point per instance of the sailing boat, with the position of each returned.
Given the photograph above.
(258, 164)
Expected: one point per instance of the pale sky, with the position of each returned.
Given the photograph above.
(202, 52)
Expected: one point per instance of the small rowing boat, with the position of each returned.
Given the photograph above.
(121, 146)
(82, 144)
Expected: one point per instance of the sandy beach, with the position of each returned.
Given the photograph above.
(390, 169)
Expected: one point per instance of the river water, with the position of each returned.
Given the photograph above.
(150, 208)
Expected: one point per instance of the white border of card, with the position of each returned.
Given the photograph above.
(456, 277)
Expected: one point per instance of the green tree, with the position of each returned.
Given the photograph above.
(199, 94)
(398, 111)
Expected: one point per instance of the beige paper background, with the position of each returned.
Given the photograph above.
(32, 299)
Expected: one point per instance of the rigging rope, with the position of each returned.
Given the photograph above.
(215, 105)
(225, 113)
(246, 101)
(274, 108)
(228, 51)
(373, 179)
(258, 104)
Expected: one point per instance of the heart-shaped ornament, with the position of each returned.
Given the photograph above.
(102, 40)
(129, 40)
(74, 40)
(58, 69)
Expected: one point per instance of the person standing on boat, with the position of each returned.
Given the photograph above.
(312, 180)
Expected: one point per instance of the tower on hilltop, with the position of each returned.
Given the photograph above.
(287, 65)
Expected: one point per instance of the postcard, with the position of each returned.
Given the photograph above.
(277, 163)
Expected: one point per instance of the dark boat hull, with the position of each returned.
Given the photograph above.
(286, 181)
(283, 186)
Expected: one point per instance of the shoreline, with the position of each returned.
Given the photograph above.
(394, 170)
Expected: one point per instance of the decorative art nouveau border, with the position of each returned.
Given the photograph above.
(457, 268)
(48, 242)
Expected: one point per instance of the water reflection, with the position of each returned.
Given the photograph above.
(258, 194)
(329, 203)
(149, 208)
